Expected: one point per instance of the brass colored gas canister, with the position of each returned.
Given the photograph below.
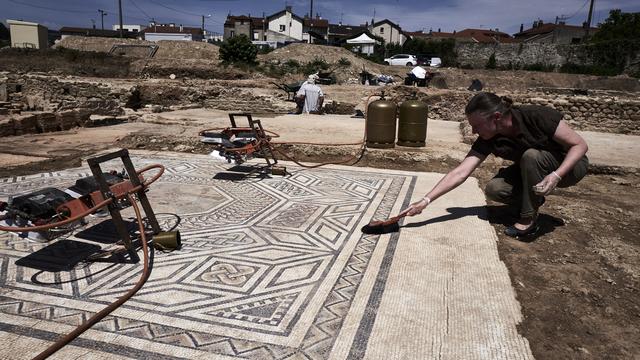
(381, 123)
(167, 240)
(412, 123)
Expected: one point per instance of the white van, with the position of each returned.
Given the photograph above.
(435, 62)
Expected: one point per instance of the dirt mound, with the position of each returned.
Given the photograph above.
(187, 50)
(167, 49)
(336, 57)
(308, 52)
(83, 43)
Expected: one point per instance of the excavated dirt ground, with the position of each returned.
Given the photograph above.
(578, 282)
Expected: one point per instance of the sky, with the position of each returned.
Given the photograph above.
(411, 15)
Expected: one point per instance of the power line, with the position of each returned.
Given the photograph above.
(52, 9)
(183, 12)
(172, 9)
(71, 10)
(576, 13)
(142, 11)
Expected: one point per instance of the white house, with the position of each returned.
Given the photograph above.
(284, 26)
(129, 28)
(157, 32)
(389, 31)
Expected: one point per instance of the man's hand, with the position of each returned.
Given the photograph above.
(546, 186)
(417, 207)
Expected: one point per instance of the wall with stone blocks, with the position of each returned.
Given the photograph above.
(40, 122)
(602, 111)
(49, 94)
(520, 54)
(603, 114)
(609, 114)
(477, 55)
(37, 104)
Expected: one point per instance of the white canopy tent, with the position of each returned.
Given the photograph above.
(363, 44)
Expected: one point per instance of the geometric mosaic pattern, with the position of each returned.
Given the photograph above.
(268, 269)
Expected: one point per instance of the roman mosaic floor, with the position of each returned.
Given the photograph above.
(270, 268)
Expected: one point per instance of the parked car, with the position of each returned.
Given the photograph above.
(435, 62)
(429, 60)
(402, 60)
(423, 59)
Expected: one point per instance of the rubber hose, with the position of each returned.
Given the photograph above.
(93, 209)
(357, 157)
(106, 311)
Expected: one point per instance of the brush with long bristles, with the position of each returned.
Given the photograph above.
(384, 226)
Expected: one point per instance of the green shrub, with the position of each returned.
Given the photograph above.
(278, 70)
(615, 55)
(344, 62)
(539, 67)
(314, 66)
(292, 63)
(572, 68)
(238, 49)
(264, 49)
(510, 66)
(491, 63)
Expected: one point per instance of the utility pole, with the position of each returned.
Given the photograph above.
(120, 9)
(102, 15)
(203, 16)
(589, 19)
(311, 11)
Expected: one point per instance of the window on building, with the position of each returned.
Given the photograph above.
(575, 40)
(283, 27)
(232, 33)
(256, 35)
(381, 30)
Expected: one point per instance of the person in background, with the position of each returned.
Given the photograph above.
(310, 97)
(545, 151)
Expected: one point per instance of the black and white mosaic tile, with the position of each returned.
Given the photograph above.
(269, 266)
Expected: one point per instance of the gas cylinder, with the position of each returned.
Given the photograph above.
(412, 123)
(381, 123)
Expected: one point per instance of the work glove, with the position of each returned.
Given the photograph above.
(546, 186)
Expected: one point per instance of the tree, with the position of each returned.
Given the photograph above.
(238, 49)
(491, 63)
(615, 47)
(619, 26)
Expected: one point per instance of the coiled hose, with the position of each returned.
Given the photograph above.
(145, 272)
(91, 210)
(357, 157)
(59, 344)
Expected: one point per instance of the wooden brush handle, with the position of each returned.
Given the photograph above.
(394, 219)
